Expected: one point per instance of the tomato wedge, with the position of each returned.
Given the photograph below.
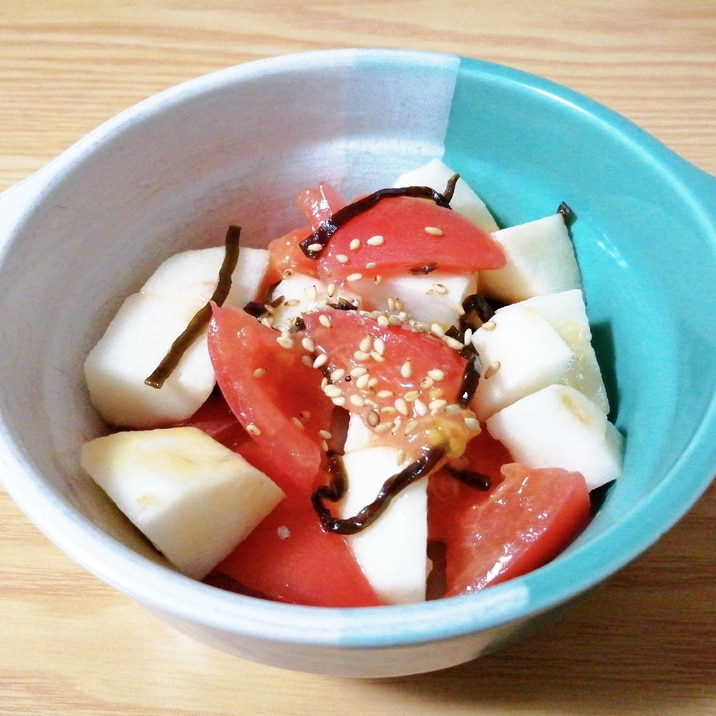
(520, 524)
(275, 396)
(319, 203)
(289, 558)
(400, 382)
(285, 254)
(403, 233)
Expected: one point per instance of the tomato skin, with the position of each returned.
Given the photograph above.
(319, 203)
(406, 244)
(289, 558)
(517, 526)
(271, 390)
(391, 380)
(285, 254)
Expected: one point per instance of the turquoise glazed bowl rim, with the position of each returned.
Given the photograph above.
(621, 536)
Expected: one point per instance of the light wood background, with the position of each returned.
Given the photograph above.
(644, 643)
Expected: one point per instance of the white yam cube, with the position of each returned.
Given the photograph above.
(540, 260)
(559, 427)
(567, 314)
(193, 498)
(134, 343)
(519, 352)
(392, 552)
(435, 174)
(436, 297)
(195, 274)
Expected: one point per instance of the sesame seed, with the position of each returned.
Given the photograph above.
(287, 273)
(437, 330)
(291, 302)
(436, 374)
(358, 371)
(491, 369)
(383, 320)
(410, 427)
(311, 293)
(351, 277)
(384, 427)
(284, 341)
(454, 343)
(406, 370)
(341, 258)
(385, 394)
(401, 457)
(412, 395)
(379, 357)
(440, 288)
(354, 244)
(366, 343)
(427, 382)
(373, 382)
(325, 320)
(331, 290)
(467, 336)
(420, 408)
(489, 326)
(253, 429)
(371, 265)
(308, 344)
(377, 278)
(304, 414)
(357, 400)
(434, 231)
(315, 247)
(372, 418)
(379, 346)
(453, 409)
(361, 356)
(338, 374)
(472, 424)
(320, 360)
(401, 406)
(376, 240)
(325, 434)
(333, 391)
(388, 409)
(283, 532)
(297, 422)
(395, 320)
(437, 404)
(258, 372)
(340, 400)
(363, 381)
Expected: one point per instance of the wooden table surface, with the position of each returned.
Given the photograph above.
(643, 643)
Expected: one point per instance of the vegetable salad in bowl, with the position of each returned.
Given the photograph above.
(397, 401)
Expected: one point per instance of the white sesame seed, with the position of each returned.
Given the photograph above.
(377, 278)
(420, 408)
(491, 370)
(341, 258)
(331, 290)
(394, 320)
(287, 273)
(325, 434)
(283, 532)
(361, 356)
(379, 346)
(406, 370)
(258, 372)
(315, 247)
(412, 395)
(489, 326)
(401, 457)
(253, 429)
(354, 244)
(383, 320)
(291, 302)
(320, 360)
(308, 344)
(437, 404)
(357, 400)
(284, 341)
(372, 418)
(410, 427)
(333, 391)
(325, 320)
(472, 424)
(363, 381)
(351, 277)
(436, 374)
(454, 343)
(338, 374)
(376, 240)
(440, 288)
(297, 422)
(401, 406)
(311, 293)
(437, 330)
(371, 265)
(434, 231)
(384, 427)
(467, 336)
(340, 401)
(379, 357)
(373, 382)
(385, 394)
(427, 382)
(366, 343)
(358, 371)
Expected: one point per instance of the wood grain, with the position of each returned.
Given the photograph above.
(641, 644)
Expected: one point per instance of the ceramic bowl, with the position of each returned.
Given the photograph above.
(233, 147)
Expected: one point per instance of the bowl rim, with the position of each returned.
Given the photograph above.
(163, 590)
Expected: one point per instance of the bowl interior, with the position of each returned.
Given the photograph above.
(235, 146)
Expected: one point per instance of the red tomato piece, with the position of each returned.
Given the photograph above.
(519, 525)
(389, 375)
(285, 254)
(403, 233)
(318, 203)
(289, 558)
(275, 396)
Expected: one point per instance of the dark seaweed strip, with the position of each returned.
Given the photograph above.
(336, 489)
(202, 316)
(472, 478)
(322, 235)
(566, 212)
